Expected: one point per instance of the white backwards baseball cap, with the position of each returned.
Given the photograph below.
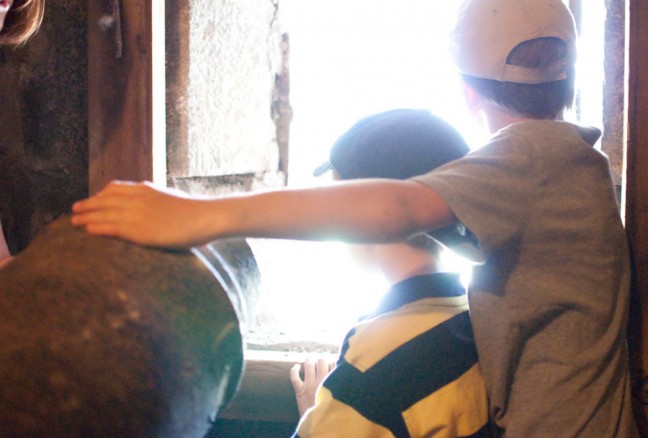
(488, 30)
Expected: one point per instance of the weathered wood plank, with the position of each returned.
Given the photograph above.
(636, 202)
(126, 95)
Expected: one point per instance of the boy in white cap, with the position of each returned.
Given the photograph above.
(549, 305)
(409, 368)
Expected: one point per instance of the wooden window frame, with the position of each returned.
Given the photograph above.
(636, 193)
(126, 92)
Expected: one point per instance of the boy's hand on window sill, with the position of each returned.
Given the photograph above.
(315, 371)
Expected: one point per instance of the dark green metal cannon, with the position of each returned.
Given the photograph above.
(104, 338)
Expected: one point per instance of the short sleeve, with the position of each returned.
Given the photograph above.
(491, 190)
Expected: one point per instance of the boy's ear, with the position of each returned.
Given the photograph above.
(473, 98)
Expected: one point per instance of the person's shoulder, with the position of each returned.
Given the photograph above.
(542, 138)
(512, 143)
(536, 128)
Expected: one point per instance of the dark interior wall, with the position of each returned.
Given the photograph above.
(43, 134)
(43, 129)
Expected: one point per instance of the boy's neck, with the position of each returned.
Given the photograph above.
(400, 261)
(497, 118)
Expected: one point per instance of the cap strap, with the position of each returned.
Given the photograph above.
(526, 75)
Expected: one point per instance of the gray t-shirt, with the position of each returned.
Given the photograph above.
(550, 305)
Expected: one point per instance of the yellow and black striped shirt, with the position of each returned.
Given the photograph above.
(409, 369)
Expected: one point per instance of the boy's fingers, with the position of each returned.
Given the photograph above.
(98, 202)
(322, 368)
(97, 217)
(108, 223)
(309, 370)
(296, 381)
(112, 196)
(82, 206)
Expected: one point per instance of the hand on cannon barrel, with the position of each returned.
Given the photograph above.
(145, 214)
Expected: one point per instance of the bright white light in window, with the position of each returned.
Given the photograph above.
(311, 292)
(349, 59)
(589, 66)
(353, 58)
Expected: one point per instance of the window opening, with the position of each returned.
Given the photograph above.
(588, 106)
(347, 60)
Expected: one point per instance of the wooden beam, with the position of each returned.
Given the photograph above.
(126, 91)
(265, 393)
(636, 201)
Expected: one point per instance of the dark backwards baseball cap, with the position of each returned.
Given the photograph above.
(395, 144)
(400, 144)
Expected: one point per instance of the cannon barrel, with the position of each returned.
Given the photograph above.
(103, 338)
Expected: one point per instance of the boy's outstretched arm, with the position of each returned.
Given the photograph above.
(356, 211)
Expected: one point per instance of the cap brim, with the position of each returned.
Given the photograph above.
(322, 168)
(458, 239)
